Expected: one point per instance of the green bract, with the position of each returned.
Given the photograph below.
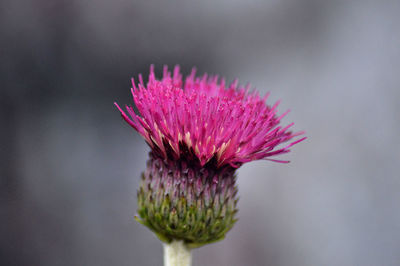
(194, 204)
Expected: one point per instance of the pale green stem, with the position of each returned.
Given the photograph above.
(177, 253)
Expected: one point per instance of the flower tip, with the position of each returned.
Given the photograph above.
(283, 115)
(133, 83)
(165, 71)
(278, 102)
(277, 161)
(141, 80)
(122, 113)
(304, 138)
(266, 96)
(193, 72)
(297, 141)
(152, 76)
(177, 69)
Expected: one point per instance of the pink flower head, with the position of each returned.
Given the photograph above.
(203, 120)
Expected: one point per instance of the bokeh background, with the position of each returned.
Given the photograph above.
(70, 166)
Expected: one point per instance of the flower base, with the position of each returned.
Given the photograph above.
(194, 204)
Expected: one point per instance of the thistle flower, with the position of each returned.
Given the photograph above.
(200, 131)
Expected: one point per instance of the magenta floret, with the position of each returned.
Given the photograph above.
(201, 119)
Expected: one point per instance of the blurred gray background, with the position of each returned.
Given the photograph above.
(70, 166)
